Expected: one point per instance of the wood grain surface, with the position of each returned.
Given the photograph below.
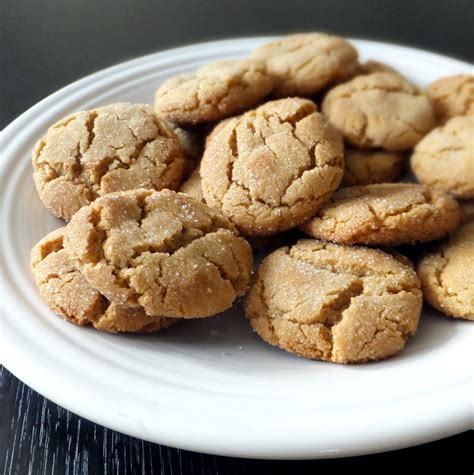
(39, 437)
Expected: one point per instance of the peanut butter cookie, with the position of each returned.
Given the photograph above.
(444, 159)
(215, 91)
(335, 303)
(273, 167)
(67, 293)
(385, 214)
(366, 167)
(447, 275)
(379, 110)
(111, 148)
(305, 63)
(162, 251)
(452, 96)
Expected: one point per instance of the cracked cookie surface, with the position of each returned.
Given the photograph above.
(379, 110)
(68, 294)
(272, 168)
(447, 277)
(335, 303)
(444, 158)
(162, 251)
(452, 96)
(385, 214)
(303, 64)
(111, 148)
(365, 167)
(215, 91)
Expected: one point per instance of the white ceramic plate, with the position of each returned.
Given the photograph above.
(211, 385)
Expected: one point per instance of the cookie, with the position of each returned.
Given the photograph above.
(365, 167)
(111, 148)
(447, 275)
(192, 186)
(191, 145)
(162, 251)
(379, 110)
(273, 167)
(467, 211)
(305, 63)
(452, 96)
(67, 293)
(334, 303)
(385, 214)
(215, 91)
(444, 159)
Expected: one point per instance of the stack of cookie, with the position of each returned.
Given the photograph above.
(256, 162)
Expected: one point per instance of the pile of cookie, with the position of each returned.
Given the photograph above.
(166, 205)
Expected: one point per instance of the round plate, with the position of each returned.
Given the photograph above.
(211, 385)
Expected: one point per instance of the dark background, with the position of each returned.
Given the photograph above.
(46, 44)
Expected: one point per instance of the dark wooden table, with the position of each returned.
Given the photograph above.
(46, 44)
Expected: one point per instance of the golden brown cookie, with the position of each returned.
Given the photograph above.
(385, 214)
(366, 167)
(111, 148)
(67, 293)
(305, 63)
(162, 251)
(467, 211)
(273, 167)
(447, 275)
(192, 186)
(334, 303)
(215, 91)
(191, 145)
(444, 159)
(379, 110)
(452, 96)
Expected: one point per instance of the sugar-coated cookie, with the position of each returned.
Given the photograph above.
(67, 293)
(444, 158)
(335, 303)
(447, 274)
(111, 148)
(272, 168)
(452, 96)
(213, 92)
(379, 110)
(366, 167)
(162, 251)
(385, 214)
(305, 63)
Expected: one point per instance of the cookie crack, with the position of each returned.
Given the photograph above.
(438, 275)
(90, 126)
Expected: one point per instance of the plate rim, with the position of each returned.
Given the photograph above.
(13, 362)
